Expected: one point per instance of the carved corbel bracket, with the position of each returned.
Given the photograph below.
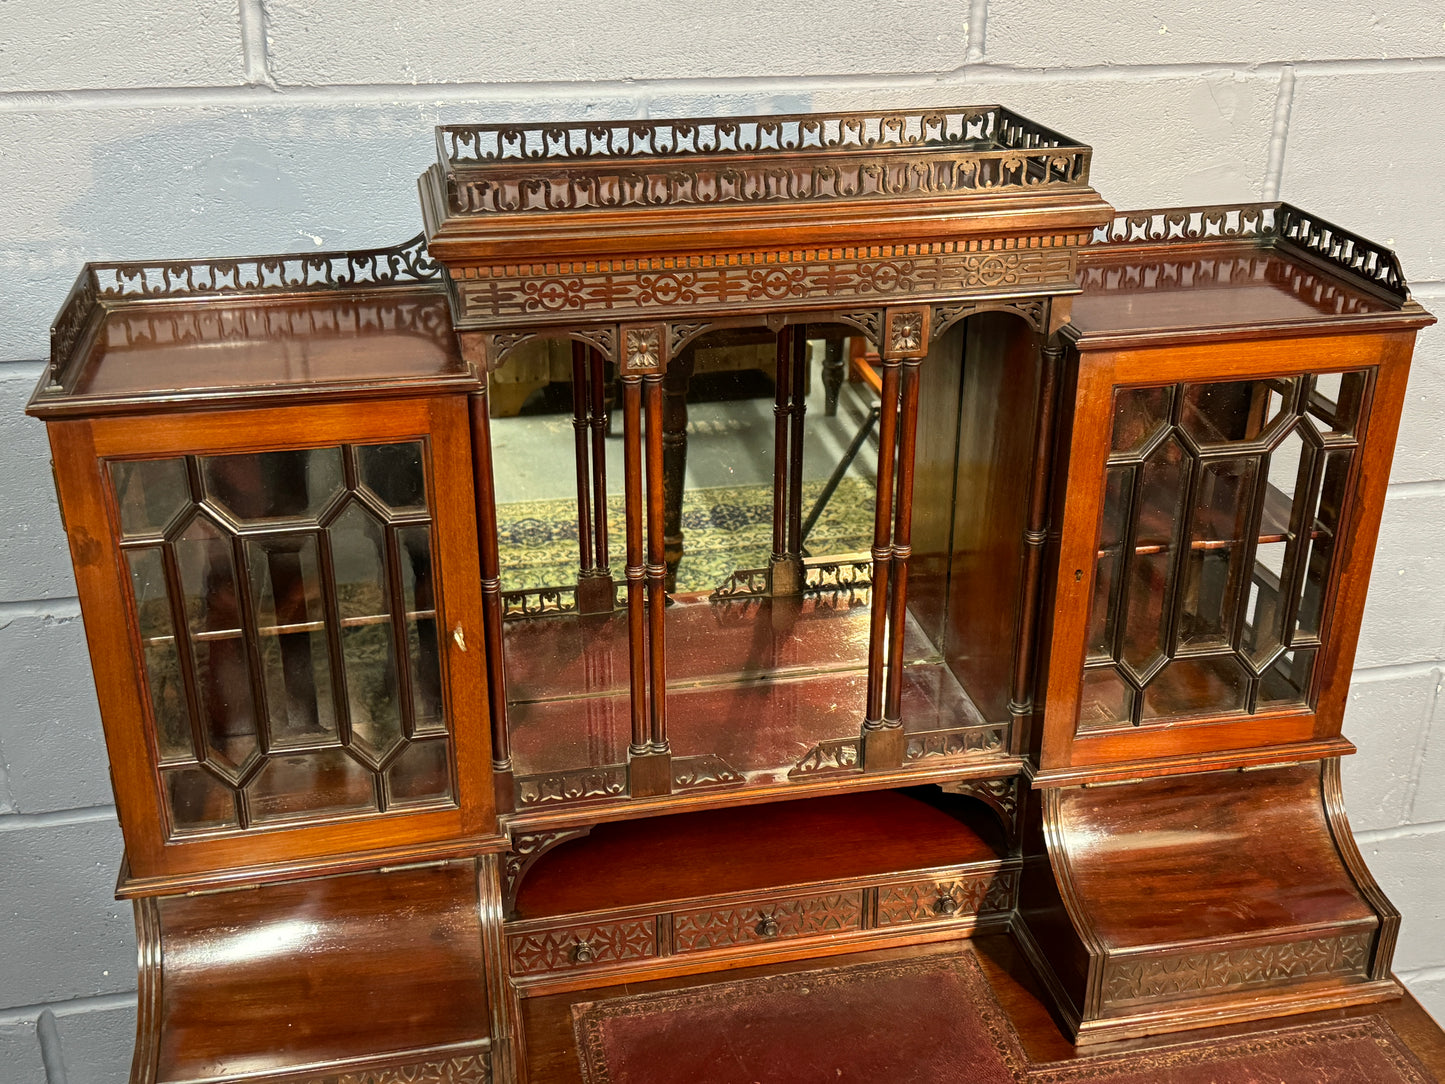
(527, 847)
(1034, 311)
(486, 351)
(1000, 795)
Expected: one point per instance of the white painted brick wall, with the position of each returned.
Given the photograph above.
(147, 129)
(100, 44)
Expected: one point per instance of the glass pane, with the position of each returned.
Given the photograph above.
(394, 473)
(1288, 470)
(1320, 549)
(1335, 400)
(290, 618)
(1196, 686)
(305, 784)
(149, 493)
(1118, 487)
(262, 486)
(223, 676)
(162, 655)
(418, 594)
(1139, 413)
(1157, 523)
(1286, 683)
(358, 548)
(543, 435)
(421, 774)
(1236, 410)
(199, 800)
(1213, 571)
(1107, 699)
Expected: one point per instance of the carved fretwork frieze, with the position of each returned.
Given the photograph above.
(689, 773)
(1221, 222)
(549, 168)
(539, 602)
(408, 264)
(760, 282)
(579, 785)
(1164, 977)
(835, 755)
(458, 1069)
(1369, 263)
(964, 741)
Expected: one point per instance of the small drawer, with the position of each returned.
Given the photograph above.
(936, 899)
(572, 947)
(767, 920)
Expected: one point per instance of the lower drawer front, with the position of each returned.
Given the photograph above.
(959, 895)
(591, 945)
(929, 900)
(772, 920)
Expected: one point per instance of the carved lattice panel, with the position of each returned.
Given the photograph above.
(1166, 977)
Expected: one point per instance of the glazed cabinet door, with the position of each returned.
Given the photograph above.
(283, 610)
(1222, 506)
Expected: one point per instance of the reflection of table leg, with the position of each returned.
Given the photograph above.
(834, 369)
(674, 459)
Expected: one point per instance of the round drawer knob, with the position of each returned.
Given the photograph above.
(945, 904)
(767, 926)
(582, 952)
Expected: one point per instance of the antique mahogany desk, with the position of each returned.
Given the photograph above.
(1067, 677)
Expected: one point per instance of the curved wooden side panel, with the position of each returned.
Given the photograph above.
(1053, 928)
(355, 977)
(1354, 862)
(148, 994)
(1159, 905)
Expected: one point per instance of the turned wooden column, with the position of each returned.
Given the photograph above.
(1021, 700)
(636, 571)
(649, 763)
(905, 342)
(491, 569)
(785, 565)
(594, 577)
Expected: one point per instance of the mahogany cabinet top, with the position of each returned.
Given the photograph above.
(570, 224)
(643, 186)
(1229, 271)
(185, 334)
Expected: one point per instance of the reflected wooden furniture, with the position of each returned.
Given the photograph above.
(387, 816)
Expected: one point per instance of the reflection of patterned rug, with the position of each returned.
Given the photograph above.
(724, 529)
(930, 1019)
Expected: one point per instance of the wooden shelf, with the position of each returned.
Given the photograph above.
(759, 691)
(757, 849)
